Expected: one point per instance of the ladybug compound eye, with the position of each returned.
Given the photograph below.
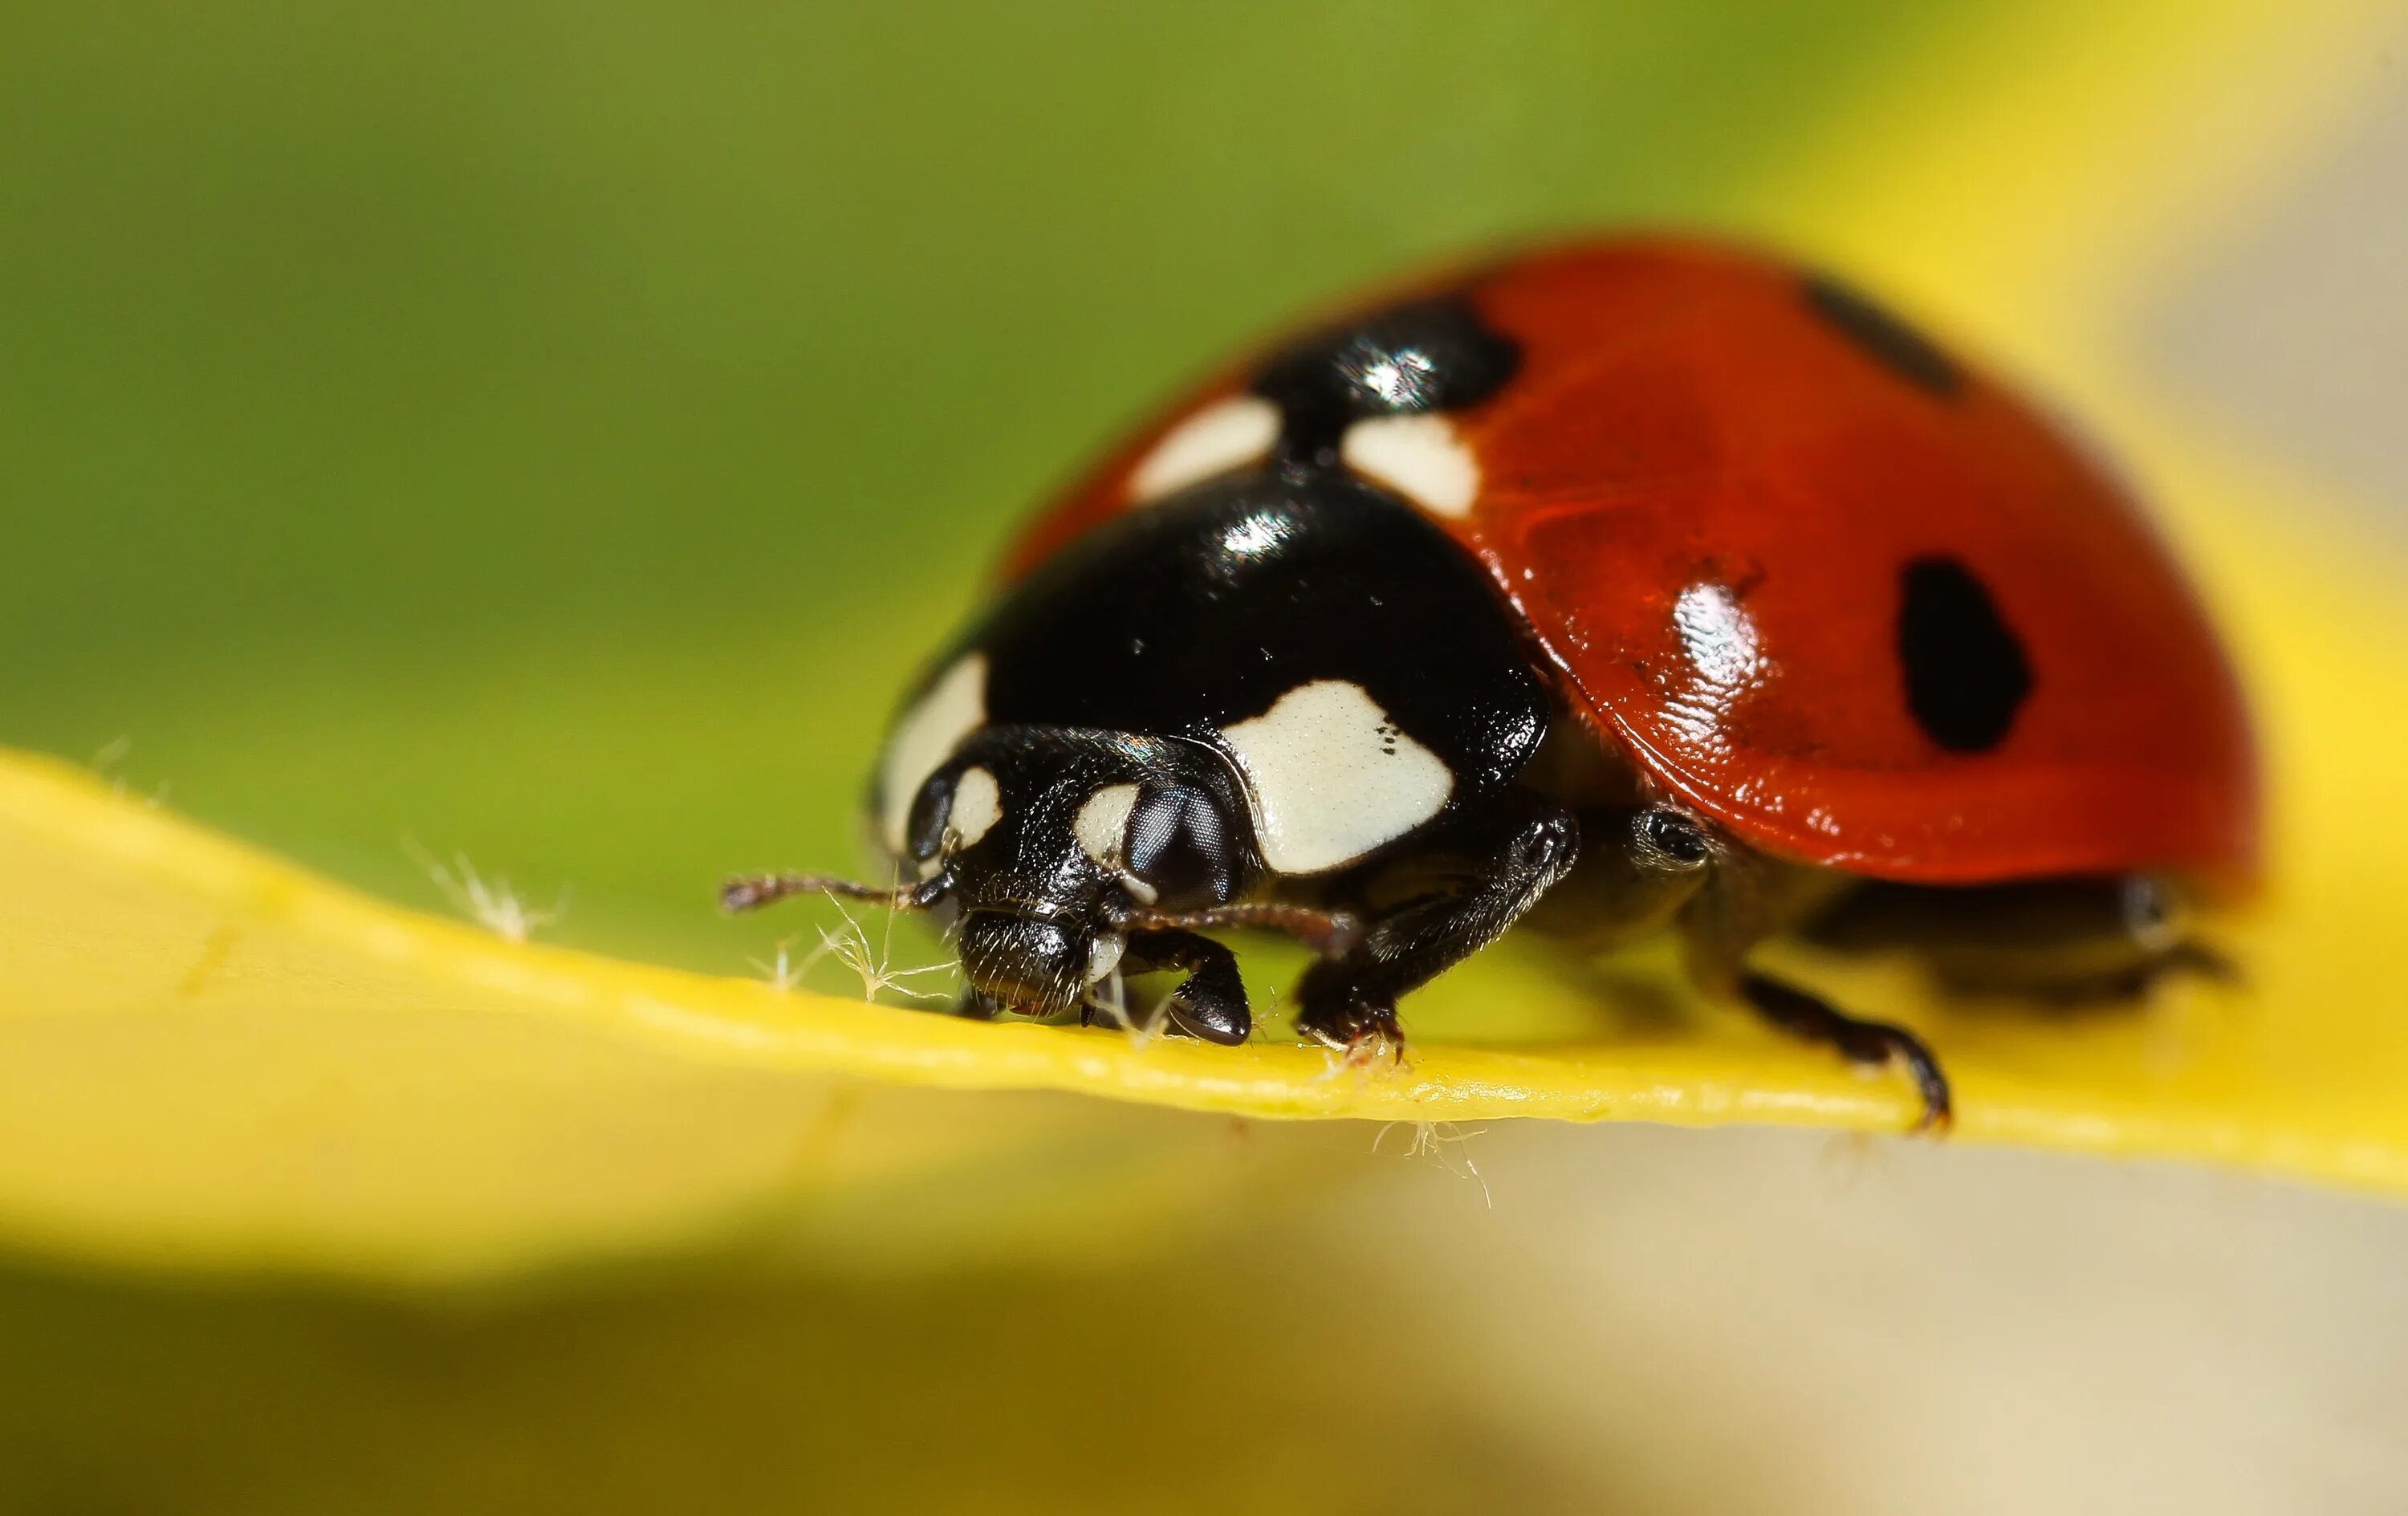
(1179, 844)
(1670, 840)
(1167, 845)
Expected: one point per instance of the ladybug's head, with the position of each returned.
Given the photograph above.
(1051, 840)
(1046, 850)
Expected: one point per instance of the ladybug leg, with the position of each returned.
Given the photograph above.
(1748, 897)
(1210, 1003)
(1871, 1044)
(2066, 941)
(2195, 959)
(1512, 857)
(2131, 933)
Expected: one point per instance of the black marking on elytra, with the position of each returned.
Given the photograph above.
(1965, 673)
(1883, 337)
(1421, 355)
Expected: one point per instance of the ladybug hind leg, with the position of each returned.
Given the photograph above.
(2068, 941)
(1869, 1044)
(1745, 897)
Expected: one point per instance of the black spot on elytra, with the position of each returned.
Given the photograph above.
(1883, 337)
(1966, 674)
(1421, 355)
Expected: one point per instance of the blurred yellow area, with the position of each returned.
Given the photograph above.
(214, 1059)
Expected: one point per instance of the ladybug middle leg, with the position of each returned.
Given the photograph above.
(1491, 870)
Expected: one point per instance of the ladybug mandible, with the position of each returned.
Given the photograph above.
(1629, 586)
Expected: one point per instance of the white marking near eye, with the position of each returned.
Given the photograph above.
(978, 805)
(1420, 457)
(954, 708)
(1329, 777)
(1220, 437)
(1101, 825)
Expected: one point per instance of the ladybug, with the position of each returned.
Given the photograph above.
(1629, 586)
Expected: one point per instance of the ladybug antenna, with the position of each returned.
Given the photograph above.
(1330, 934)
(751, 892)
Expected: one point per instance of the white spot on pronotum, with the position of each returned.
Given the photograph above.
(1329, 777)
(978, 805)
(1222, 436)
(954, 708)
(1420, 457)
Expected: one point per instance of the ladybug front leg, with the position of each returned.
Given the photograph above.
(1210, 1003)
(1509, 858)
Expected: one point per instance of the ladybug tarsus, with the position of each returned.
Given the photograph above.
(1362, 1040)
(1867, 1043)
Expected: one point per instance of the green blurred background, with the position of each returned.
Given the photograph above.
(551, 432)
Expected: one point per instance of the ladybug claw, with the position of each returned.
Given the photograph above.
(1866, 1044)
(1939, 1106)
(1361, 1033)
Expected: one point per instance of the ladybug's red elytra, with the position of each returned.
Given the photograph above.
(1629, 586)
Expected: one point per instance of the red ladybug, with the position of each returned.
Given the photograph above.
(1631, 586)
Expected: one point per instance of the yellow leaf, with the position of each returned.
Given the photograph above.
(210, 1057)
(209, 1054)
